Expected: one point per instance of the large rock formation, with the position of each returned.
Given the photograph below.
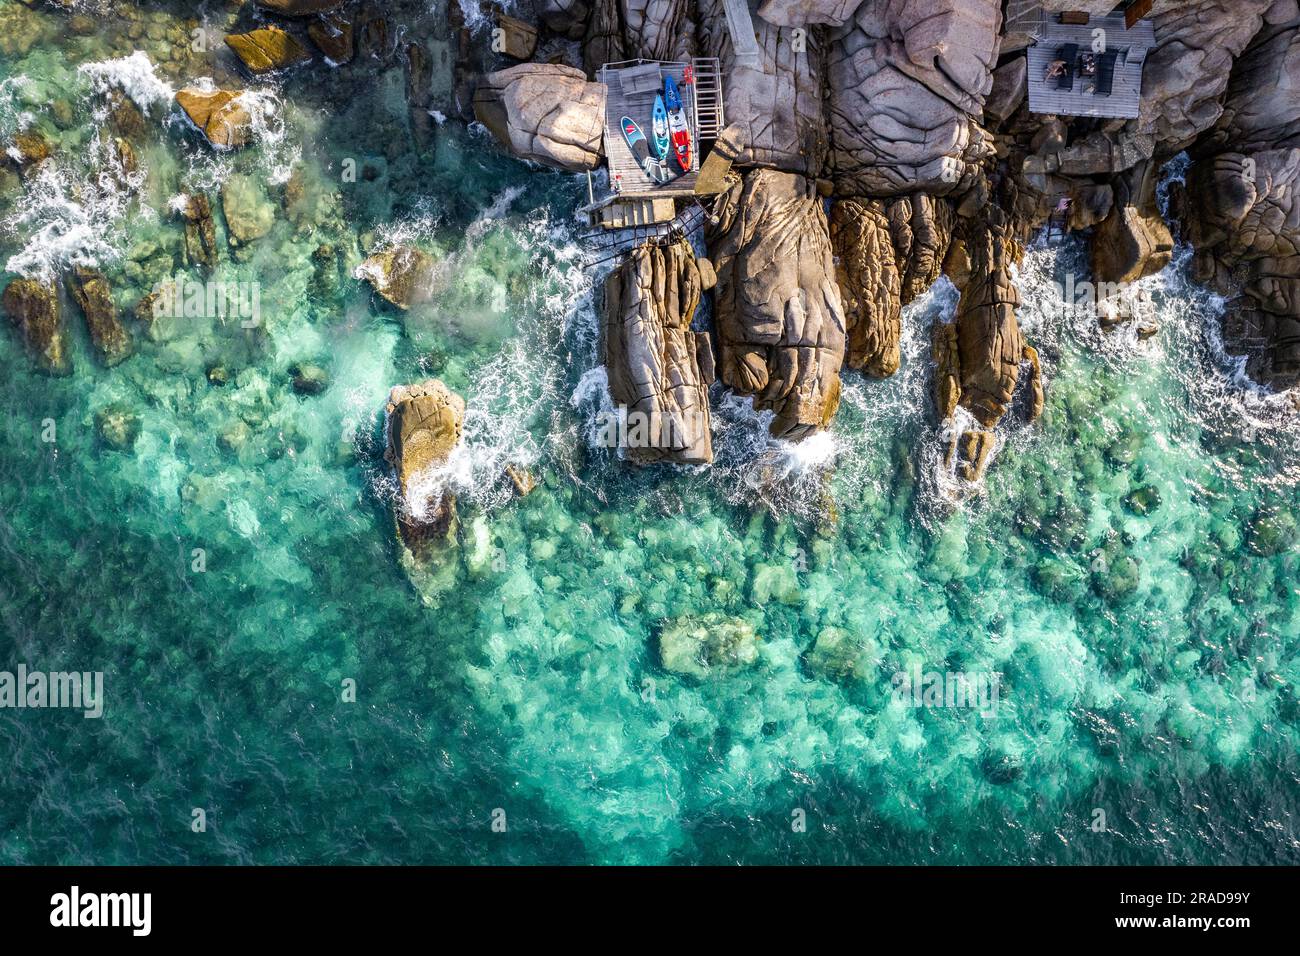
(659, 370)
(1241, 204)
(780, 321)
(400, 274)
(33, 308)
(423, 425)
(546, 113)
(907, 83)
(776, 102)
(798, 13)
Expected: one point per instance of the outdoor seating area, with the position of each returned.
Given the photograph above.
(1088, 69)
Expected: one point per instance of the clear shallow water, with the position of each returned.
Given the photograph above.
(528, 678)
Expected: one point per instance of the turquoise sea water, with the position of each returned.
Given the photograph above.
(1149, 663)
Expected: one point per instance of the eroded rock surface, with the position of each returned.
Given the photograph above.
(780, 319)
(658, 367)
(870, 284)
(90, 289)
(546, 113)
(908, 79)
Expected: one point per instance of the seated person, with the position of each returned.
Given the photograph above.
(1054, 69)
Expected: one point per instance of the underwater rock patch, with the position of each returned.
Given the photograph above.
(709, 644)
(33, 309)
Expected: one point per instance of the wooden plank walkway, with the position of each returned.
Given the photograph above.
(1126, 94)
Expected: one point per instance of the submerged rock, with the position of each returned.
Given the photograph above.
(309, 378)
(423, 426)
(399, 274)
(546, 113)
(33, 309)
(267, 49)
(118, 426)
(200, 230)
(709, 644)
(779, 316)
(659, 370)
(249, 212)
(1273, 531)
(91, 291)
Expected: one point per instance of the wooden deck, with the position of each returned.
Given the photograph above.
(1126, 93)
(699, 85)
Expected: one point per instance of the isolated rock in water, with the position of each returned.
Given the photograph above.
(299, 8)
(200, 230)
(907, 87)
(33, 308)
(709, 644)
(423, 426)
(91, 291)
(267, 49)
(249, 212)
(118, 426)
(219, 114)
(869, 284)
(1133, 241)
(308, 378)
(546, 113)
(798, 13)
(400, 275)
(776, 102)
(779, 317)
(659, 370)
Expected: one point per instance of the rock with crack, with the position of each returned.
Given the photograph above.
(33, 309)
(545, 113)
(90, 289)
(200, 229)
(921, 228)
(870, 284)
(779, 316)
(659, 369)
(221, 115)
(267, 50)
(777, 101)
(908, 81)
(1133, 241)
(401, 275)
(1262, 107)
(1243, 217)
(989, 345)
(423, 425)
(658, 29)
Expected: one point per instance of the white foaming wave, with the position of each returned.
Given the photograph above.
(135, 75)
(13, 118)
(210, 165)
(72, 217)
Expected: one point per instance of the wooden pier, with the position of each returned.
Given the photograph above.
(1111, 37)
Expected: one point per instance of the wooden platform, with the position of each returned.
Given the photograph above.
(1125, 98)
(632, 87)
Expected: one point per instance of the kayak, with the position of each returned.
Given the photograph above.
(640, 148)
(636, 140)
(679, 131)
(659, 128)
